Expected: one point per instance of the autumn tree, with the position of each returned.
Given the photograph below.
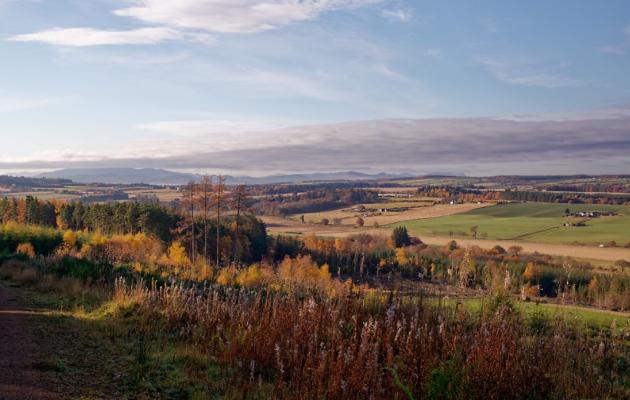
(218, 195)
(514, 250)
(532, 272)
(205, 189)
(188, 203)
(238, 200)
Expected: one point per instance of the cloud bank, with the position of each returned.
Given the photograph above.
(475, 146)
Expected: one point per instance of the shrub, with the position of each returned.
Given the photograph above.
(400, 237)
(26, 249)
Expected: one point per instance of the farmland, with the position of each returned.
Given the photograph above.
(408, 211)
(535, 222)
(140, 278)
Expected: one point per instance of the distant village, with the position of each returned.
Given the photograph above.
(585, 214)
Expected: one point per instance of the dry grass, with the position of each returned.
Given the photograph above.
(75, 290)
(360, 346)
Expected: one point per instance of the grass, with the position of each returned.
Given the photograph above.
(538, 222)
(174, 342)
(582, 317)
(96, 350)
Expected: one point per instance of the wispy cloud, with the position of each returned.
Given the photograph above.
(432, 52)
(82, 37)
(399, 15)
(387, 71)
(523, 74)
(242, 16)
(193, 20)
(613, 49)
(207, 128)
(135, 59)
(10, 102)
(619, 48)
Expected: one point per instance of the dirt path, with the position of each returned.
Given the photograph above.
(19, 354)
(46, 354)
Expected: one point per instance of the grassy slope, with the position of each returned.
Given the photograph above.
(79, 358)
(533, 222)
(96, 351)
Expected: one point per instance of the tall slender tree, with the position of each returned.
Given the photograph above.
(219, 193)
(205, 188)
(239, 195)
(189, 205)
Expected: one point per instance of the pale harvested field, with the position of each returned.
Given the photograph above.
(582, 252)
(402, 189)
(162, 194)
(420, 210)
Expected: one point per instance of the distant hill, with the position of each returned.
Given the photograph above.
(156, 176)
(13, 182)
(316, 176)
(124, 176)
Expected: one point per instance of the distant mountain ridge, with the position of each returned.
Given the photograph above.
(156, 176)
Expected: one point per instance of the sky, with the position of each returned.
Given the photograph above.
(258, 87)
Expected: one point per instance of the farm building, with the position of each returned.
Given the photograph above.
(593, 214)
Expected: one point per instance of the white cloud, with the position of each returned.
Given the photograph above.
(82, 37)
(193, 20)
(65, 155)
(10, 103)
(135, 59)
(613, 49)
(232, 16)
(433, 53)
(398, 15)
(285, 83)
(520, 73)
(387, 71)
(205, 127)
(618, 49)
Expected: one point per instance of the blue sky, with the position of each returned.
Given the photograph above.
(90, 81)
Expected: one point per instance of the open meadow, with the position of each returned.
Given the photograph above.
(531, 222)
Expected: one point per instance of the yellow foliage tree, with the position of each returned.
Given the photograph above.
(401, 257)
(532, 272)
(176, 256)
(70, 239)
(26, 249)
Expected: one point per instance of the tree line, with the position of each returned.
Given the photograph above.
(212, 221)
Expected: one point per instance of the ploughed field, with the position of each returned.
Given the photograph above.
(535, 222)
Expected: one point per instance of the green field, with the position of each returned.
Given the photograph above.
(537, 222)
(579, 316)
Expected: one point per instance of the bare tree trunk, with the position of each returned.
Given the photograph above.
(219, 188)
(205, 187)
(191, 201)
(239, 194)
